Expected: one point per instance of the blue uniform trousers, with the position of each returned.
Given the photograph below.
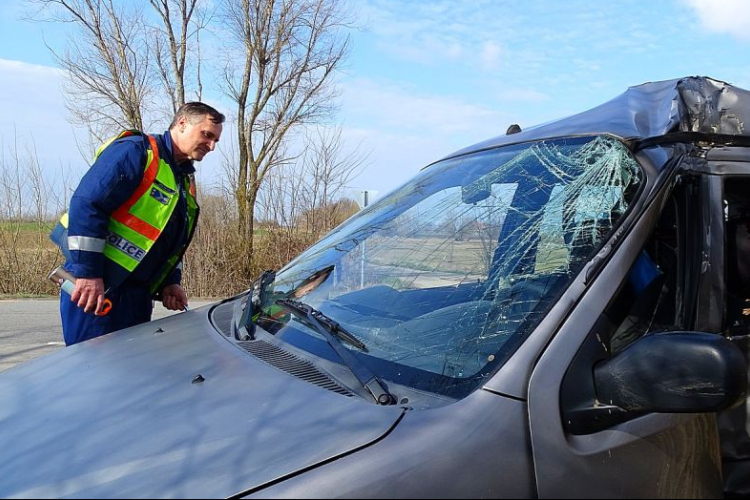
(131, 306)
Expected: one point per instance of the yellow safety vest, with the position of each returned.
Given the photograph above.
(136, 225)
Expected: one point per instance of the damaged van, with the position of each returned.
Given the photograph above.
(562, 311)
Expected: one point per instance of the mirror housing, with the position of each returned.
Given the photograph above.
(674, 372)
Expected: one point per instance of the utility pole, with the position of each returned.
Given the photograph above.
(364, 199)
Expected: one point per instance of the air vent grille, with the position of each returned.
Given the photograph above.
(283, 360)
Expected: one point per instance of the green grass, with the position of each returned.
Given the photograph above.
(45, 227)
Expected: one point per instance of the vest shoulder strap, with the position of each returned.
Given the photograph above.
(124, 133)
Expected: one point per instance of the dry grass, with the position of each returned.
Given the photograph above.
(215, 264)
(26, 258)
(215, 267)
(212, 264)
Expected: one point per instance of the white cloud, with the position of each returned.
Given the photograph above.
(396, 107)
(23, 82)
(34, 130)
(724, 16)
(404, 129)
(432, 33)
(34, 112)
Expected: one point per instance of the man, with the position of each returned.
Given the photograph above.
(130, 221)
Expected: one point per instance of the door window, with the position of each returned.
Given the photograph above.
(733, 423)
(656, 296)
(737, 252)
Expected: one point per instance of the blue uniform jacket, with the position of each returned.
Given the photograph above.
(110, 181)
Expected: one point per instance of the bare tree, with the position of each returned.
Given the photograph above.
(281, 56)
(110, 80)
(281, 79)
(26, 203)
(328, 169)
(181, 23)
(105, 61)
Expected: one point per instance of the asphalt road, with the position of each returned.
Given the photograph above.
(30, 328)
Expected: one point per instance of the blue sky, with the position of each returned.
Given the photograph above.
(426, 78)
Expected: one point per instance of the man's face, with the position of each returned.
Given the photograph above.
(194, 141)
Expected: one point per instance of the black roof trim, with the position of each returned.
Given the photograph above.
(693, 137)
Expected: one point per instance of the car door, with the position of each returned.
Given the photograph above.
(729, 297)
(582, 448)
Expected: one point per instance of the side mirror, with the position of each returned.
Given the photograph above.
(675, 372)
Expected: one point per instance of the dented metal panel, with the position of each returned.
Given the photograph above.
(700, 105)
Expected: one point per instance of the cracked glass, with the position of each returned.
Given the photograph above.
(444, 278)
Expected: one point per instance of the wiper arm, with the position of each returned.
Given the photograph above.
(335, 334)
(257, 295)
(259, 292)
(253, 302)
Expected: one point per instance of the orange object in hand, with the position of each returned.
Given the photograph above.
(67, 282)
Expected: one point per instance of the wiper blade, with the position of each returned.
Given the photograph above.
(332, 327)
(335, 334)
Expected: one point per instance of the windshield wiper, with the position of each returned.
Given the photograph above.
(253, 302)
(268, 277)
(316, 317)
(335, 335)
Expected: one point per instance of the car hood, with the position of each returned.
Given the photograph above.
(127, 415)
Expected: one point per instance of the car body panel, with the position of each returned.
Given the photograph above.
(475, 448)
(121, 416)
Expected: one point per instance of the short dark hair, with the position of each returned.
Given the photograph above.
(195, 112)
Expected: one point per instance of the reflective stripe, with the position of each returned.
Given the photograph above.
(86, 244)
(179, 266)
(138, 225)
(123, 215)
(125, 246)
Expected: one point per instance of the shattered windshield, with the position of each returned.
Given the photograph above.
(444, 278)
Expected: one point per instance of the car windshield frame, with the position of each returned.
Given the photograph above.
(448, 275)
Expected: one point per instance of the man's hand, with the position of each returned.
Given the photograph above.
(174, 298)
(89, 294)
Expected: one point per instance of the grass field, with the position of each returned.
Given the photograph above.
(27, 226)
(433, 261)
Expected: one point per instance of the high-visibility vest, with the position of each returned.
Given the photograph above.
(136, 225)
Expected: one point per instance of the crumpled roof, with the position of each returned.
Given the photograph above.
(691, 104)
